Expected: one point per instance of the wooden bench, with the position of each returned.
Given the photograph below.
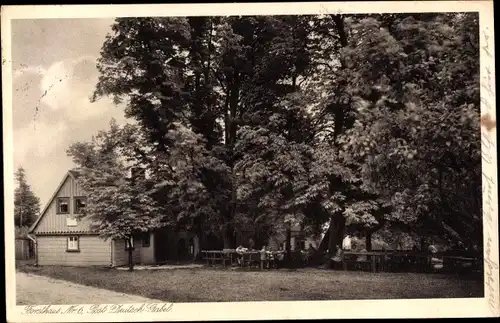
(406, 261)
(385, 261)
(231, 257)
(366, 261)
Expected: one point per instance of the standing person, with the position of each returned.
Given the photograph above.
(240, 251)
(436, 262)
(280, 256)
(347, 243)
(264, 259)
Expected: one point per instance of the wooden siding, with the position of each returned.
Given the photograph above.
(93, 251)
(147, 255)
(24, 249)
(51, 222)
(120, 255)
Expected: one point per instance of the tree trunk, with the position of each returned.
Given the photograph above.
(341, 229)
(288, 245)
(323, 245)
(337, 230)
(231, 128)
(368, 240)
(201, 235)
(228, 237)
(422, 244)
(332, 245)
(130, 255)
(339, 23)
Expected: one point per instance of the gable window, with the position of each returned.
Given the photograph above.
(80, 203)
(73, 244)
(63, 205)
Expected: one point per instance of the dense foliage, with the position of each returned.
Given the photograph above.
(26, 203)
(247, 124)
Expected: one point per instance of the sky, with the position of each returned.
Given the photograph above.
(54, 75)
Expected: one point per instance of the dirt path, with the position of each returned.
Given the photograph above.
(40, 290)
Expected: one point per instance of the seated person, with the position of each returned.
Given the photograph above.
(338, 255)
(240, 251)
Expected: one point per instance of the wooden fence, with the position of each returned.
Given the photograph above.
(390, 261)
(375, 261)
(24, 249)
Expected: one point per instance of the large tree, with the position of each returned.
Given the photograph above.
(118, 200)
(252, 122)
(26, 203)
(375, 77)
(415, 89)
(219, 77)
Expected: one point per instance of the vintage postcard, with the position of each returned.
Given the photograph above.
(242, 161)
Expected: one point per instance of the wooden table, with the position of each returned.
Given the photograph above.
(246, 258)
(420, 261)
(380, 260)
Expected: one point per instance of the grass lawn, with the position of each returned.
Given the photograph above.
(224, 285)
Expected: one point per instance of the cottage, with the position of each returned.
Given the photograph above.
(63, 239)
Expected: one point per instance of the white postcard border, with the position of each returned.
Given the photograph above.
(478, 307)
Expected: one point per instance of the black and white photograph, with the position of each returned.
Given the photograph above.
(156, 163)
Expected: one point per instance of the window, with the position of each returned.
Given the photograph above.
(71, 221)
(146, 240)
(63, 205)
(73, 244)
(131, 243)
(80, 203)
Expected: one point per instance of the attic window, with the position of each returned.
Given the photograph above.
(63, 205)
(80, 203)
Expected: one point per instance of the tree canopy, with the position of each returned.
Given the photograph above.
(26, 203)
(248, 123)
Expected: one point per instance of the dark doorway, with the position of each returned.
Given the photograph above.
(161, 246)
(213, 242)
(182, 249)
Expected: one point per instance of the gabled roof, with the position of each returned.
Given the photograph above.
(70, 173)
(76, 173)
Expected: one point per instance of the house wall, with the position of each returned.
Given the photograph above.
(24, 249)
(53, 222)
(94, 251)
(188, 237)
(166, 246)
(120, 255)
(147, 255)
